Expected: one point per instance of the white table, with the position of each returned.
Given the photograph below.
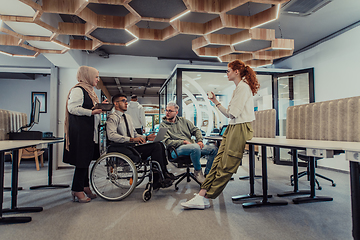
(15, 145)
(318, 148)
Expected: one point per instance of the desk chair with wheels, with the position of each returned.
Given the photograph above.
(302, 156)
(182, 161)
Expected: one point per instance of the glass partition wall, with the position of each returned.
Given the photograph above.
(193, 85)
(292, 88)
(196, 106)
(277, 90)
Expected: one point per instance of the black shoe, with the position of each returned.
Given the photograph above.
(170, 175)
(167, 183)
(157, 186)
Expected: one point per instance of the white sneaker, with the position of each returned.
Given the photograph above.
(206, 201)
(196, 202)
(199, 176)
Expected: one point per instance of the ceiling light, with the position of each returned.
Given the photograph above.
(207, 56)
(219, 59)
(5, 53)
(131, 33)
(277, 16)
(173, 19)
(215, 30)
(131, 42)
(242, 41)
(24, 56)
(278, 11)
(277, 48)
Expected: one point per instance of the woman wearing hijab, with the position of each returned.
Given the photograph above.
(241, 113)
(81, 126)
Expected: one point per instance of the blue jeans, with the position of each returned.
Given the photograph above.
(195, 153)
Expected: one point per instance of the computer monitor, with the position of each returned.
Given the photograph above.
(34, 114)
(35, 111)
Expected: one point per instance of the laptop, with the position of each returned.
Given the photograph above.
(218, 137)
(160, 135)
(222, 130)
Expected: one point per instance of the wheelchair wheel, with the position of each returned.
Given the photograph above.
(146, 195)
(113, 176)
(141, 169)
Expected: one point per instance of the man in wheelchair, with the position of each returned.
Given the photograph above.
(124, 138)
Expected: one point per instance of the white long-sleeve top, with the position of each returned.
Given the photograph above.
(76, 100)
(241, 106)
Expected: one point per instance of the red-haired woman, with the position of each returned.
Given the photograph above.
(230, 153)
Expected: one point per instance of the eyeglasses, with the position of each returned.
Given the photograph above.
(124, 101)
(170, 111)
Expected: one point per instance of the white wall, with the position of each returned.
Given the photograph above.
(16, 96)
(336, 64)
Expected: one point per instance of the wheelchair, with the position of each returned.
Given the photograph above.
(114, 176)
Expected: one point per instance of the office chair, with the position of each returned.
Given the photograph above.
(302, 156)
(215, 130)
(182, 161)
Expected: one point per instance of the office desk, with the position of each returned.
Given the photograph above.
(14, 146)
(317, 148)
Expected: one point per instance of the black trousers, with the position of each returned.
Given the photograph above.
(80, 180)
(155, 150)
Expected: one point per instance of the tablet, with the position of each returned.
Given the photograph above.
(104, 106)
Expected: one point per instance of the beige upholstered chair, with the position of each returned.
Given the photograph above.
(32, 152)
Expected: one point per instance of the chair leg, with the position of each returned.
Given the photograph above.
(36, 161)
(300, 174)
(20, 156)
(42, 160)
(323, 177)
(182, 176)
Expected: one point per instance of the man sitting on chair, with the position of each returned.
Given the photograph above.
(179, 135)
(123, 136)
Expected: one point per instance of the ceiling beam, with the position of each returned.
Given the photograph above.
(25, 76)
(103, 88)
(118, 84)
(151, 85)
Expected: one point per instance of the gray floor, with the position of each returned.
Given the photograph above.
(163, 218)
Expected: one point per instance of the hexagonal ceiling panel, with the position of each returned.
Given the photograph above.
(217, 28)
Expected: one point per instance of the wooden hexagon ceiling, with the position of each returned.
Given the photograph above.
(221, 31)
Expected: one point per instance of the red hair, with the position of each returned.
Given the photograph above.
(246, 73)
